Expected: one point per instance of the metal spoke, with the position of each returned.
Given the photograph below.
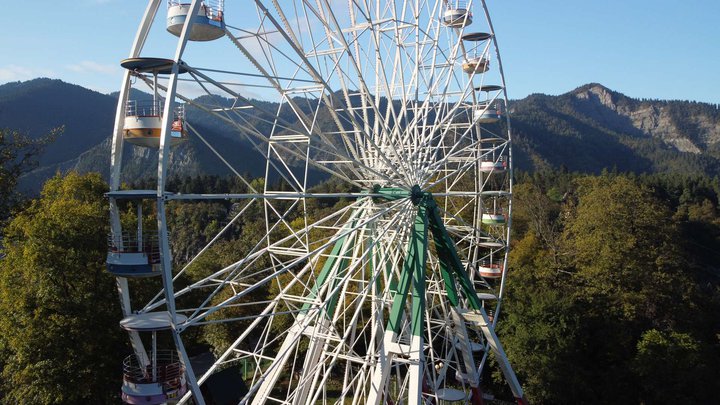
(384, 285)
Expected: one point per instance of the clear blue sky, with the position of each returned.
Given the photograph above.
(665, 49)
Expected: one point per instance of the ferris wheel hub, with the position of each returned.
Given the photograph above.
(417, 195)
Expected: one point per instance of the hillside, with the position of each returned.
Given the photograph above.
(593, 127)
(586, 130)
(37, 106)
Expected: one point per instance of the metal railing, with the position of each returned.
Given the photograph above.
(213, 8)
(457, 5)
(179, 111)
(150, 108)
(128, 242)
(143, 108)
(167, 370)
(501, 159)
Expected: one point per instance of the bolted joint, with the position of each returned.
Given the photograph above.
(417, 195)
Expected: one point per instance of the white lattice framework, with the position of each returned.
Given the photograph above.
(378, 95)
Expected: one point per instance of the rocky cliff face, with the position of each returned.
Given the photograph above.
(687, 127)
(593, 127)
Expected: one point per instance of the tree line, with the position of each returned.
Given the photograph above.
(614, 288)
(613, 292)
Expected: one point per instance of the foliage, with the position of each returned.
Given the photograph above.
(656, 352)
(219, 336)
(18, 155)
(62, 343)
(613, 293)
(606, 292)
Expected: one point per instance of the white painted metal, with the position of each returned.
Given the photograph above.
(150, 321)
(116, 165)
(371, 94)
(165, 257)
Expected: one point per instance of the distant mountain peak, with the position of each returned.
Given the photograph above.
(594, 87)
(41, 86)
(598, 93)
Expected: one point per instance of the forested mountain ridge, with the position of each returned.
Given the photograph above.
(593, 127)
(588, 129)
(37, 106)
(87, 117)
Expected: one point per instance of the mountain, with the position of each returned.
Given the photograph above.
(593, 127)
(38, 106)
(588, 129)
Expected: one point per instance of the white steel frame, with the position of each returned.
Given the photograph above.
(388, 76)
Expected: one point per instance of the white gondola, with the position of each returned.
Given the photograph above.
(143, 124)
(486, 113)
(493, 165)
(457, 15)
(486, 297)
(493, 219)
(475, 60)
(159, 382)
(491, 269)
(209, 23)
(133, 255)
(492, 244)
(143, 121)
(157, 377)
(450, 395)
(476, 65)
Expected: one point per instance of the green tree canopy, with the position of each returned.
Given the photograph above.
(60, 327)
(667, 364)
(603, 299)
(18, 154)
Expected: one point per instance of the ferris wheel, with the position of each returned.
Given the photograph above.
(386, 292)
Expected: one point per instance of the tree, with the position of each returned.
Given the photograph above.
(542, 336)
(60, 317)
(607, 310)
(18, 154)
(668, 364)
(623, 248)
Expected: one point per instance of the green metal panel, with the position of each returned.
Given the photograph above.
(414, 265)
(418, 264)
(391, 193)
(443, 256)
(445, 265)
(428, 217)
(446, 248)
(333, 299)
(327, 268)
